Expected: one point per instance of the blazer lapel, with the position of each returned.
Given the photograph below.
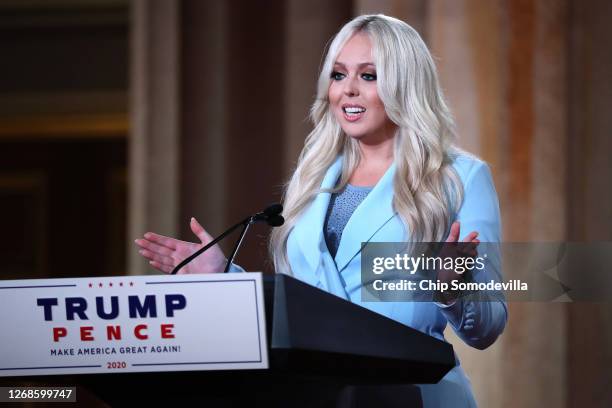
(370, 216)
(309, 229)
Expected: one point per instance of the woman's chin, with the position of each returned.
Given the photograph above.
(366, 138)
(353, 135)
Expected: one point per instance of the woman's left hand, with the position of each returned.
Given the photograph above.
(453, 248)
(468, 245)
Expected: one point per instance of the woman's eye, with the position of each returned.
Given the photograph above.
(337, 76)
(368, 77)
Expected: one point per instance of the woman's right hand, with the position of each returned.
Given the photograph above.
(164, 253)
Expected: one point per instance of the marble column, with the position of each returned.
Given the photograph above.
(204, 115)
(153, 203)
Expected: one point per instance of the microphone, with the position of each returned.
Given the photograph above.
(276, 221)
(271, 212)
(270, 215)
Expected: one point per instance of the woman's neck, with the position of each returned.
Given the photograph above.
(374, 161)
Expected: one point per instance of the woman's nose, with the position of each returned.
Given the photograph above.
(351, 86)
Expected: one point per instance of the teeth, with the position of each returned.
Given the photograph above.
(353, 110)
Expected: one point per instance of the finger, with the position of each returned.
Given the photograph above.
(160, 267)
(199, 231)
(157, 258)
(153, 247)
(465, 244)
(469, 245)
(475, 243)
(472, 245)
(470, 237)
(468, 248)
(161, 240)
(453, 235)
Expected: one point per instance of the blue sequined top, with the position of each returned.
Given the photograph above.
(341, 207)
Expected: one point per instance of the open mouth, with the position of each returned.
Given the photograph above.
(352, 112)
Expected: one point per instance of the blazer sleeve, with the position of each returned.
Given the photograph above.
(235, 268)
(478, 322)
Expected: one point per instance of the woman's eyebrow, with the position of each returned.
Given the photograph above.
(361, 65)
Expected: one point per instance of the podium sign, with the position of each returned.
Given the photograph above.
(132, 324)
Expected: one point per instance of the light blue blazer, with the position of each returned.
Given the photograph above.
(374, 220)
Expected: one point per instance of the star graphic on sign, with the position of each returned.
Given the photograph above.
(131, 283)
(100, 285)
(90, 285)
(120, 283)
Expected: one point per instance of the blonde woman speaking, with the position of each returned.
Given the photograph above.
(381, 165)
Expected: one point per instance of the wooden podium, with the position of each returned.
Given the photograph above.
(323, 350)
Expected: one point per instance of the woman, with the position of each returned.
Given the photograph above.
(379, 166)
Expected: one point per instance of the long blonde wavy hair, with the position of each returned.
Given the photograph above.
(427, 190)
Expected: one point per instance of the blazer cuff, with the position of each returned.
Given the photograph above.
(235, 268)
(453, 312)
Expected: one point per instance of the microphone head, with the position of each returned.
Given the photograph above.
(275, 221)
(273, 209)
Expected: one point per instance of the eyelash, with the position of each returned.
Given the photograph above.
(373, 76)
(370, 77)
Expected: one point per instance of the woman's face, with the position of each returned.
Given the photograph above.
(353, 96)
